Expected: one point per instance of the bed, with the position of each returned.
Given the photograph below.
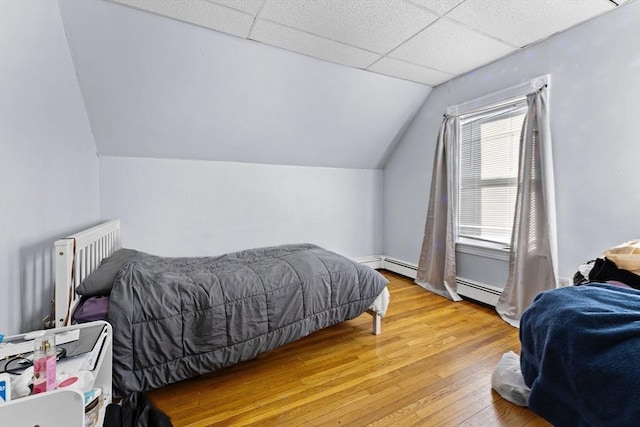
(580, 355)
(176, 318)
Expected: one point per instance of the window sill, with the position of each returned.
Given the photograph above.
(483, 249)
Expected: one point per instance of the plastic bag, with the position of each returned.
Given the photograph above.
(626, 256)
(508, 382)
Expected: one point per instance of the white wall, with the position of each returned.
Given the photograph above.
(48, 165)
(197, 208)
(595, 111)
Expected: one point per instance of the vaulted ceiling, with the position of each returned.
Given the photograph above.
(296, 82)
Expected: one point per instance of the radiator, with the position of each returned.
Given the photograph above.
(487, 294)
(482, 292)
(400, 267)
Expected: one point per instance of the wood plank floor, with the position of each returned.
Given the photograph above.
(431, 366)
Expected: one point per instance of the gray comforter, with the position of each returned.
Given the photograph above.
(176, 318)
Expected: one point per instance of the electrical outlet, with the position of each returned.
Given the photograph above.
(563, 282)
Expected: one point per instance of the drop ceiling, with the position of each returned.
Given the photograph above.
(423, 41)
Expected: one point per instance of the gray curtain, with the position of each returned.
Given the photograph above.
(437, 263)
(533, 257)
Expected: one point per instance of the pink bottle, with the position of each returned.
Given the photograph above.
(44, 364)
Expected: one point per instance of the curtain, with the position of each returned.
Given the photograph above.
(437, 263)
(533, 257)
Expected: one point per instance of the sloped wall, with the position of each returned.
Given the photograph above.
(156, 87)
(595, 106)
(48, 162)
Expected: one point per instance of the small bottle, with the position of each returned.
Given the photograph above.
(44, 364)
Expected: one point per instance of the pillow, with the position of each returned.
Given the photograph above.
(101, 280)
(91, 309)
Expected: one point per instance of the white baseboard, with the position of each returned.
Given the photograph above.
(482, 292)
(382, 262)
(401, 267)
(374, 261)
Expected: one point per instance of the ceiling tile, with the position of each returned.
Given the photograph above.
(522, 22)
(451, 48)
(376, 25)
(404, 70)
(248, 6)
(312, 45)
(199, 12)
(439, 6)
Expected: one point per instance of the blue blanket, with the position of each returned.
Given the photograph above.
(581, 355)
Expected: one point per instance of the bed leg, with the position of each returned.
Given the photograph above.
(376, 325)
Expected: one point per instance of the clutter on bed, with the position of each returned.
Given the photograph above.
(579, 355)
(620, 266)
(580, 345)
(626, 256)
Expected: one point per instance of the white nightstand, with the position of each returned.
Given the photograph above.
(64, 407)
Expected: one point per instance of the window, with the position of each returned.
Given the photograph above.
(488, 149)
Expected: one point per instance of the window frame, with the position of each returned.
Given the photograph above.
(472, 246)
(481, 116)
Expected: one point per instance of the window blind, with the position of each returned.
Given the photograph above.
(488, 171)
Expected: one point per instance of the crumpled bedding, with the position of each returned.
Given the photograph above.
(580, 349)
(175, 318)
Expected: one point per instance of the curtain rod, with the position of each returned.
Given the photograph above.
(502, 96)
(513, 102)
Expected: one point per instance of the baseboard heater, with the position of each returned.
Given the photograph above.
(400, 267)
(471, 289)
(482, 292)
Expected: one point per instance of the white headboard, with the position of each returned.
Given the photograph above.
(76, 257)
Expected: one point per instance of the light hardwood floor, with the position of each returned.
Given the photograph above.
(431, 366)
